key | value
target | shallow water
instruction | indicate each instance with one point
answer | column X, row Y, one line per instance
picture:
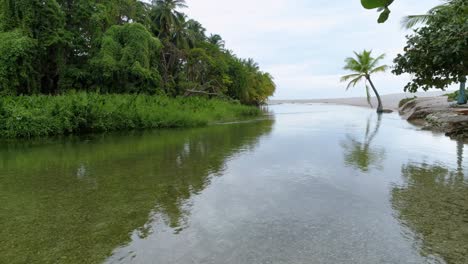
column 314, row 184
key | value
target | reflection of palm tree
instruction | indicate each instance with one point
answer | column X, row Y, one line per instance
column 360, row 154
column 434, row 204
column 460, row 146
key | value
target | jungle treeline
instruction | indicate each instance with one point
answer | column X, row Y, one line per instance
column 52, row 47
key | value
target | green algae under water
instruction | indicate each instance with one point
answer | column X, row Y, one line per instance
column 315, row 184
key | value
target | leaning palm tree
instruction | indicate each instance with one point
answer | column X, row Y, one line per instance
column 411, row 21
column 363, row 66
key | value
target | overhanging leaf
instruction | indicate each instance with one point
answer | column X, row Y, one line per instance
column 371, row 4
column 384, row 15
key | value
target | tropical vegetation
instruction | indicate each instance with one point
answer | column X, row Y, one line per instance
column 436, row 55
column 411, row 21
column 77, row 113
column 363, row 66
column 119, row 47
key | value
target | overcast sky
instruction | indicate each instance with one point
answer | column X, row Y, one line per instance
column 303, row 43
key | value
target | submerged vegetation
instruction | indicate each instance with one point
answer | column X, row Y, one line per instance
column 32, row 116
column 74, row 201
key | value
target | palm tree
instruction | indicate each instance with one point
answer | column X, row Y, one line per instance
column 216, row 40
column 364, row 65
column 165, row 16
column 411, row 21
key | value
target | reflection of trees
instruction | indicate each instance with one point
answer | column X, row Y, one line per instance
column 360, row 154
column 434, row 204
column 81, row 200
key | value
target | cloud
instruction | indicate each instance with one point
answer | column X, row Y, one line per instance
column 303, row 43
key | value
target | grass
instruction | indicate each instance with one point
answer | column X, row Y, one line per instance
column 76, row 113
column 406, row 100
column 453, row 96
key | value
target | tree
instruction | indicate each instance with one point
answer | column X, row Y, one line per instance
column 128, row 60
column 436, row 55
column 17, row 73
column 119, row 46
column 216, row 40
column 364, row 65
column 414, row 20
column 165, row 16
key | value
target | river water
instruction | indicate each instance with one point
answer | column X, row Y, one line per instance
column 311, row 184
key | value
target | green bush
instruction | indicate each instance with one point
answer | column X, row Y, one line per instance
column 35, row 116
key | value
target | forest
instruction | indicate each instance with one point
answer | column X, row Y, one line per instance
column 54, row 47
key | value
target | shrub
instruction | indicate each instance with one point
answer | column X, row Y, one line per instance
column 40, row 115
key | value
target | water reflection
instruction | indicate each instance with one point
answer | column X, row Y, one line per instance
column 74, row 201
column 359, row 153
column 433, row 203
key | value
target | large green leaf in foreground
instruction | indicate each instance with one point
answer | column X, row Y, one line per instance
column 371, row 4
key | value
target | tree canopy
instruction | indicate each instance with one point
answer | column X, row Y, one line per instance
column 436, row 55
column 119, row 46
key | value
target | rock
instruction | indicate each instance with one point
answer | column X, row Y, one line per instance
column 437, row 114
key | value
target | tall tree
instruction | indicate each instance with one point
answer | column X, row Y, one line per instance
column 414, row 20
column 436, row 55
column 363, row 66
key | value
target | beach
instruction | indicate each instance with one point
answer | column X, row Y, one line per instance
column 390, row 101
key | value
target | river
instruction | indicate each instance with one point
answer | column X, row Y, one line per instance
column 311, row 184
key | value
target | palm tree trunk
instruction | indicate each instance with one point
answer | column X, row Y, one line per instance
column 379, row 107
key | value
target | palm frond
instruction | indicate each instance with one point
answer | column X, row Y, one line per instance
column 352, row 64
column 382, row 68
column 409, row 22
column 349, row 77
column 353, row 82
column 375, row 61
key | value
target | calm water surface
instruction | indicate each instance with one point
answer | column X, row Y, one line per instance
column 313, row 184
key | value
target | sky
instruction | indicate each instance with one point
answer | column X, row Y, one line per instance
column 303, row 44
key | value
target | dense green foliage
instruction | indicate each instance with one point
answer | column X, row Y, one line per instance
column 124, row 46
column 414, row 20
column 436, row 55
column 30, row 116
column 363, row 66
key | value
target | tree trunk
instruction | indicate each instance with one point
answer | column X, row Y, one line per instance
column 379, row 107
column 462, row 94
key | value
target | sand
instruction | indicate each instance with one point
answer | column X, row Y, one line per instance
column 390, row 101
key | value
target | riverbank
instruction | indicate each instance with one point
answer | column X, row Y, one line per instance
column 75, row 113
column 437, row 114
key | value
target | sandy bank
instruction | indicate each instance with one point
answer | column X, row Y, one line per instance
column 390, row 101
